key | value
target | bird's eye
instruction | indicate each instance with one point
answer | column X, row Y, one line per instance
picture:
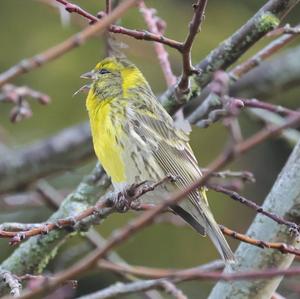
column 103, row 71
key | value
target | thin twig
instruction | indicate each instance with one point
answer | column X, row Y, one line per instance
column 254, row 103
column 147, row 272
column 282, row 247
column 141, row 35
column 17, row 96
column 156, row 26
column 263, row 54
column 187, row 67
column 286, row 29
column 119, row 289
column 243, row 175
column 258, row 209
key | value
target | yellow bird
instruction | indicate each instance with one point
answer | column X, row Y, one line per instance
column 135, row 140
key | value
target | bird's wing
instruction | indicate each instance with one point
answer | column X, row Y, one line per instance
column 171, row 150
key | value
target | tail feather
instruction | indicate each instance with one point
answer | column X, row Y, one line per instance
column 218, row 239
column 204, row 223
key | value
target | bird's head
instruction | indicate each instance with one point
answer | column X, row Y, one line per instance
column 113, row 77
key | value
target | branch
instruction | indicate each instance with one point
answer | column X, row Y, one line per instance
column 265, row 20
column 12, row 282
column 292, row 136
column 218, row 105
column 156, row 26
column 120, row 289
column 38, row 251
column 20, row 167
column 263, row 54
column 72, row 42
column 246, row 176
column 140, row 35
column 281, row 247
column 17, row 96
column 271, row 77
column 287, row 187
column 258, row 209
column 187, row 68
column 156, row 273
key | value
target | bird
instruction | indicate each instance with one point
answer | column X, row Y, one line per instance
column 136, row 140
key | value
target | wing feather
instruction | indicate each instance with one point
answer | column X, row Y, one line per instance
column 171, row 151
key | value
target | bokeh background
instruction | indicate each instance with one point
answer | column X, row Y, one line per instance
column 29, row 27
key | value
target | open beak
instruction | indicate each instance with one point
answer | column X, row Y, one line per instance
column 88, row 75
column 85, row 88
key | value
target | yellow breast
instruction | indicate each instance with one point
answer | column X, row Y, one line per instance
column 105, row 136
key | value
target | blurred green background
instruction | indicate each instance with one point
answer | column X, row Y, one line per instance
column 29, row 27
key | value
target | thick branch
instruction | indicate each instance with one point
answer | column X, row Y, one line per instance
column 187, row 67
column 60, row 152
column 33, row 255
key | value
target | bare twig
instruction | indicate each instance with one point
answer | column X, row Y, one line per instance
column 282, row 247
column 254, row 103
column 141, row 35
column 18, row 232
column 156, row 273
column 54, row 198
column 187, row 67
column 265, row 53
column 246, row 176
column 258, row 209
column 17, row 96
column 286, row 29
column 156, row 26
column 120, row 289
column 290, row 135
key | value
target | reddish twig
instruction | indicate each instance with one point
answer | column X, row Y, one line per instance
column 60, row 49
column 267, row 132
column 245, row 176
column 282, row 247
column 170, row 288
column 186, row 47
column 157, row 26
column 144, row 35
column 254, row 103
column 266, row 52
column 286, row 29
column 156, row 273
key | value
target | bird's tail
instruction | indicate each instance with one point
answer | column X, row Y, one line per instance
column 202, row 220
column 217, row 237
